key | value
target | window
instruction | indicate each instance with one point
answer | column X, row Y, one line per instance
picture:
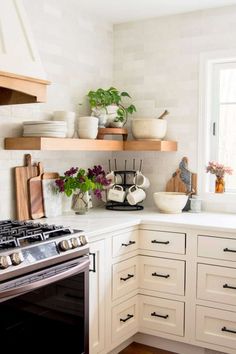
column 223, row 118
column 217, row 124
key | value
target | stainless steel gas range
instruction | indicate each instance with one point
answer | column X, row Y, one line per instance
column 43, row 286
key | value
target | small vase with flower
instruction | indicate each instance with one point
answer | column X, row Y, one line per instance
column 219, row 171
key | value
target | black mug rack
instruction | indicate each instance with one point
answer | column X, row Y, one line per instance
column 126, row 176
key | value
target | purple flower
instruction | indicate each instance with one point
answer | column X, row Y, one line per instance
column 96, row 171
column 60, row 184
column 71, row 171
column 98, row 193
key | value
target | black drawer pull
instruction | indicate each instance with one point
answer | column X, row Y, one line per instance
column 127, row 318
column 226, row 286
column 229, row 250
column 161, row 242
column 224, row 329
column 129, row 276
column 155, row 274
column 162, row 316
column 128, row 244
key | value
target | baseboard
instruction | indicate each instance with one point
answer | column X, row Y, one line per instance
column 122, row 346
column 170, row 345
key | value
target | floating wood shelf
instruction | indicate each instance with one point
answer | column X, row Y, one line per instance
column 150, row 145
column 50, row 144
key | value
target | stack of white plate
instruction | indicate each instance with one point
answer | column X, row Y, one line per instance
column 55, row 129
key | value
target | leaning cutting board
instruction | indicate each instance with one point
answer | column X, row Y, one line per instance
column 175, row 184
column 22, row 175
column 52, row 199
column 36, row 194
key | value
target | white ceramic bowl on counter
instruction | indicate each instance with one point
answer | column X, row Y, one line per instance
column 170, row 202
column 148, row 128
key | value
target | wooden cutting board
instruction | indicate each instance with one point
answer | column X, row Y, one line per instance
column 22, row 175
column 36, row 194
column 175, row 184
column 52, row 200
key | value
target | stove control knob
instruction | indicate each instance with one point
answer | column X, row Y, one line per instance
column 5, row 262
column 83, row 240
column 74, row 242
column 65, row 245
column 17, row 258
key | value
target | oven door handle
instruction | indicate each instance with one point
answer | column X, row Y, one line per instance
column 43, row 282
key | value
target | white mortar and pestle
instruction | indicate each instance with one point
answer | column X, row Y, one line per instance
column 149, row 128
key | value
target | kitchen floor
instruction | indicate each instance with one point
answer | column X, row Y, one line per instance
column 136, row 348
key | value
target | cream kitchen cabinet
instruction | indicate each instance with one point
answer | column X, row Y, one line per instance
column 173, row 283
column 97, row 297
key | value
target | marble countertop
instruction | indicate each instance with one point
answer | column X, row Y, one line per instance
column 99, row 221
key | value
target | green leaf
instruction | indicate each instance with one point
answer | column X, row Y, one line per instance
column 125, row 94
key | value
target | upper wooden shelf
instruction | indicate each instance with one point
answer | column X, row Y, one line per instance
column 44, row 144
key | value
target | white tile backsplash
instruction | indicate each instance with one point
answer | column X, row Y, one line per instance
column 157, row 62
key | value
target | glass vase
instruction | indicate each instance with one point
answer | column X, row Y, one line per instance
column 81, row 202
column 219, row 185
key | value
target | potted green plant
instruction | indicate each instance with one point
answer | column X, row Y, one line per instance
column 109, row 107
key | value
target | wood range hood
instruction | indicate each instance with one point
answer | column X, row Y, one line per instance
column 22, row 76
column 18, row 89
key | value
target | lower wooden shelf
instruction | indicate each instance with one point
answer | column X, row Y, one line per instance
column 61, row 144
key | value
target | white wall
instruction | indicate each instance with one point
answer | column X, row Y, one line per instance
column 76, row 52
column 157, row 62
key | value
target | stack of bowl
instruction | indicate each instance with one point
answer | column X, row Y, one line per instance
column 69, row 118
column 87, row 127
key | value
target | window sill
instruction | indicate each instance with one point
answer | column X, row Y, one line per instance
column 219, row 202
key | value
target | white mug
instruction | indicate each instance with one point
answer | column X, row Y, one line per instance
column 116, row 193
column 135, row 195
column 114, row 178
column 141, row 181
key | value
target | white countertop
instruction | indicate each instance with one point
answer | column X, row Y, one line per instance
column 99, row 221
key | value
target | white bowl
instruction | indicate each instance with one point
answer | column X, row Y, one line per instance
column 85, row 122
column 90, row 133
column 170, row 202
column 148, row 128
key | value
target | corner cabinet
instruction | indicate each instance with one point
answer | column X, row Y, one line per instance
column 97, row 297
column 173, row 283
column 63, row 144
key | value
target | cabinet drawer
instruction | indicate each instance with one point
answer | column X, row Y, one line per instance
column 124, row 319
column 216, row 284
column 160, row 274
column 124, row 277
column 216, row 247
column 216, row 326
column 124, row 243
column 162, row 315
column 162, row 241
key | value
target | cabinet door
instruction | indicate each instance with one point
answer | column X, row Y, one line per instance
column 97, row 297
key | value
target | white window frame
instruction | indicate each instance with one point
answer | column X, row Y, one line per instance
column 212, row 201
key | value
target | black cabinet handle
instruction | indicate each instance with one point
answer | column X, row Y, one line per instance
column 94, row 262
column 128, row 244
column 162, row 316
column 155, row 274
column 226, row 286
column 161, row 242
column 224, row 329
column 128, row 277
column 229, row 250
column 127, row 318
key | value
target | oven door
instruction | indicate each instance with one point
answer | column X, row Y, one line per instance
column 48, row 308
